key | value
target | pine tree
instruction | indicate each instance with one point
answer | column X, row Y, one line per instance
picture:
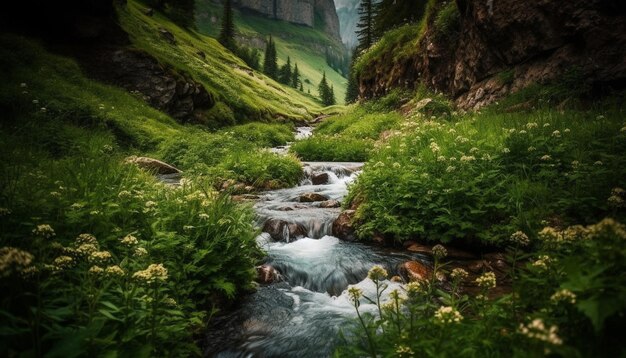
column 285, row 73
column 270, row 67
column 331, row 97
column 295, row 77
column 326, row 92
column 227, row 33
column 365, row 26
column 301, row 87
column 352, row 91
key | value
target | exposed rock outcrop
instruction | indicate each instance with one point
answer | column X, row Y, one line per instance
column 302, row 12
column 530, row 41
column 281, row 230
column 342, row 226
column 312, row 197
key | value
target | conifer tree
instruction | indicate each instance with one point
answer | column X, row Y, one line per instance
column 285, row 73
column 295, row 77
column 365, row 26
column 352, row 91
column 326, row 92
column 270, row 67
column 331, row 97
column 301, row 87
column 227, row 33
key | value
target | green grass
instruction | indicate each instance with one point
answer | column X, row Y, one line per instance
column 473, row 180
column 304, row 45
column 352, row 135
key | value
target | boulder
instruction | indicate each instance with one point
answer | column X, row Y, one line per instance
column 278, row 228
column 415, row 271
column 319, row 178
column 266, row 274
column 342, row 226
column 153, row 165
column 330, row 204
column 312, row 197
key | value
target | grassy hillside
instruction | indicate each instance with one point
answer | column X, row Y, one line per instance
column 303, row 44
column 249, row 95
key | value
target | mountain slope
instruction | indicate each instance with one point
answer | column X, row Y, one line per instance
column 305, row 45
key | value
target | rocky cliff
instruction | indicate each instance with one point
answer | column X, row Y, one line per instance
column 312, row 13
column 527, row 41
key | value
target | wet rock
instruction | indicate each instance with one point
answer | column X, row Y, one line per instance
column 312, row 197
column 153, row 165
column 415, row 271
column 245, row 197
column 168, row 36
column 396, row 279
column 330, row 204
column 319, row 178
column 279, row 228
column 343, row 228
column 266, row 274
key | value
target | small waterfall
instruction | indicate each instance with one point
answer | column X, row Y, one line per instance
column 286, row 233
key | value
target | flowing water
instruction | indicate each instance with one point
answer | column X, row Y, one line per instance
column 303, row 314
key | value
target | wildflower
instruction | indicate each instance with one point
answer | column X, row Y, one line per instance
column 396, row 165
column 598, row 163
column 4, row 212
column 204, row 216
column 129, row 240
column 77, row 206
column 400, row 350
column 439, row 251
column 414, row 289
column 170, row 302
column 13, row 259
column 459, row 274
column 154, row 273
column 461, row 139
column 124, row 194
column 506, row 151
column 486, row 157
column 566, row 130
column 563, row 295
column 396, row 295
column 520, row 238
column 538, row 330
column 55, row 194
column 447, row 315
column 574, row 233
column 434, row 147
column 467, row 158
column 512, row 130
column 606, row 226
column 531, row 125
column 623, row 129
column 115, row 271
column 600, row 117
column 522, row 132
column 546, row 125
column 86, row 239
column 35, row 101
column 96, row 270
column 452, row 159
column 377, row 273
column 575, row 164
column 44, row 231
column 379, row 164
column 550, row 234
column 86, row 249
column 473, row 150
column 355, row 293
column 100, row 256
column 532, row 149
column 546, row 158
column 63, row 262
column 188, row 228
column 487, row 280
column 618, row 191
column 95, row 212
column 107, row 148
column 450, row 169
column 150, row 204
column 556, row 134
column 615, row 201
column 542, row 262
column 140, row 252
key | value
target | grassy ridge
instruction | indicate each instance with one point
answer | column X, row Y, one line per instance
column 249, row 95
column 291, row 40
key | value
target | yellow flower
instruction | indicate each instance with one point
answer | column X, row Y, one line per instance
column 100, row 256
column 44, row 230
column 115, row 271
column 154, row 273
column 520, row 238
column 459, row 274
column 487, row 280
column 14, row 260
column 377, row 273
column 96, row 270
column 355, row 293
column 63, row 262
column 86, row 239
column 538, row 330
column 129, row 240
column 447, row 315
column 439, row 251
column 140, row 252
column 564, row 295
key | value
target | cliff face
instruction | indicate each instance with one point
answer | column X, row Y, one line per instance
column 533, row 41
column 301, row 12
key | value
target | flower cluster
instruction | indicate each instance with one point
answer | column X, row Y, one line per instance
column 563, row 295
column 355, row 293
column 487, row 280
column 129, row 240
column 115, row 271
column 99, row 257
column 606, row 226
column 459, row 274
column 520, row 238
column 414, row 289
column 44, row 230
column 154, row 273
column 13, row 259
column 86, row 239
column 377, row 273
column 140, row 252
column 439, row 251
column 96, row 270
column 447, row 315
column 616, row 199
column 4, row 212
column 542, row 262
column 404, row 350
column 538, row 330
column 86, row 249
column 63, row 262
